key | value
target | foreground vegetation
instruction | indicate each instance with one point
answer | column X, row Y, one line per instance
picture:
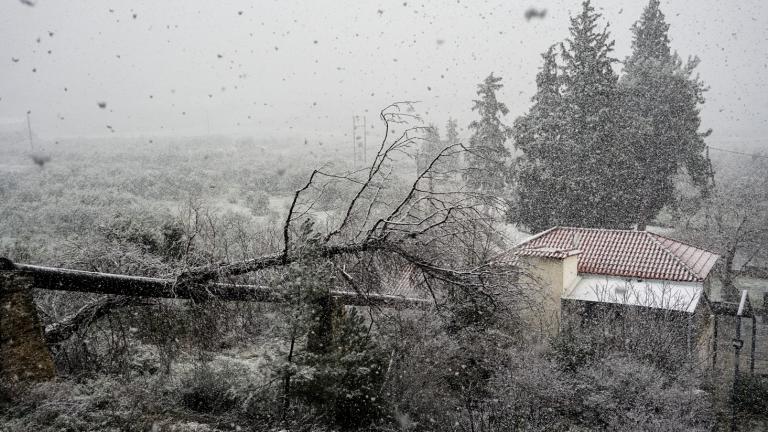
column 172, row 365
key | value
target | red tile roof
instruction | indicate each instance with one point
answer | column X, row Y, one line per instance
column 625, row 253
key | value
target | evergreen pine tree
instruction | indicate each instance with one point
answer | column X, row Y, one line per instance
column 661, row 99
column 595, row 185
column 537, row 135
column 431, row 147
column 574, row 168
column 485, row 163
column 651, row 38
column 452, row 161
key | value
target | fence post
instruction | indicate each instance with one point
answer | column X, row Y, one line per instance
column 24, row 356
column 738, row 343
column 752, row 346
column 714, row 343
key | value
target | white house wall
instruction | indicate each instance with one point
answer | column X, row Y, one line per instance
column 679, row 296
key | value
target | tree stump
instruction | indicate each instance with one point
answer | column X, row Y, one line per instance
column 24, row 356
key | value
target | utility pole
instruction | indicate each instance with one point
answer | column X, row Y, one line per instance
column 356, row 140
column 354, row 143
column 29, row 131
column 365, row 143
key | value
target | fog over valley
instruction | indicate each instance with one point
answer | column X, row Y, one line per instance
column 301, row 70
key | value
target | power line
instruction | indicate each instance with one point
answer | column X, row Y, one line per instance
column 754, row 155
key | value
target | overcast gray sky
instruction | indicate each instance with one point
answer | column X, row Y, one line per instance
column 291, row 68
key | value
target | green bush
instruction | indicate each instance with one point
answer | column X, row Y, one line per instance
column 208, row 391
column 751, row 396
column 571, row 350
column 343, row 383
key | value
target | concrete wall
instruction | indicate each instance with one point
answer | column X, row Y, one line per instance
column 702, row 334
column 550, row 276
column 669, row 337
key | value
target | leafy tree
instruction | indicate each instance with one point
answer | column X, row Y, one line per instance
column 662, row 98
column 485, row 171
column 574, row 169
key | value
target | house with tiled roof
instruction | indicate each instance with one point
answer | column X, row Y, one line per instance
column 619, row 267
column 620, row 275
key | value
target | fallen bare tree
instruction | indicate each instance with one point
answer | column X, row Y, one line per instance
column 438, row 233
column 59, row 279
column 442, row 232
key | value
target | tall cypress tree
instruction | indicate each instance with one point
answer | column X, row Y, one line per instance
column 661, row 99
column 575, row 169
column 596, row 192
column 651, row 35
column 485, row 161
column 537, row 172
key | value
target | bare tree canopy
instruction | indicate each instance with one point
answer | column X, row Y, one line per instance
column 388, row 223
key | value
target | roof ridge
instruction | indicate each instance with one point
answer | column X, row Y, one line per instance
column 535, row 236
column 683, row 242
column 598, row 229
column 677, row 259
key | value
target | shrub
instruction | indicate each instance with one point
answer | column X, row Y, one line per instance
column 614, row 393
column 343, row 383
column 173, row 240
column 572, row 350
column 257, row 202
column 751, row 396
column 207, row 391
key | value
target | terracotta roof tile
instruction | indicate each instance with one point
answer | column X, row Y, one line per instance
column 636, row 254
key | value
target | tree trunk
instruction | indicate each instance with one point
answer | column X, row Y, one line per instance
column 137, row 286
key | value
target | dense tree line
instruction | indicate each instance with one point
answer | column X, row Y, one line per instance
column 596, row 149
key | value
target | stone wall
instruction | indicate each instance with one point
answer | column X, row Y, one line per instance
column 24, row 355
